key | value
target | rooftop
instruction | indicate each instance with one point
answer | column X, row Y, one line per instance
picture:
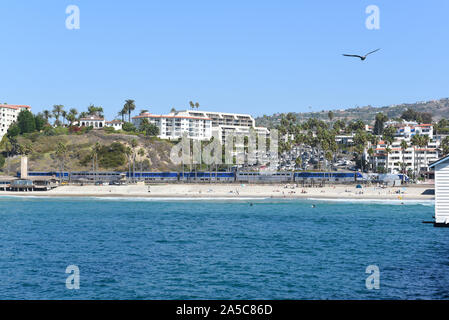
column 95, row 118
column 149, row 115
column 12, row 106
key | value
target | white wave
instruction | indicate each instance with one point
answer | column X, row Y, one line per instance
column 378, row 201
column 176, row 198
column 121, row 198
column 229, row 199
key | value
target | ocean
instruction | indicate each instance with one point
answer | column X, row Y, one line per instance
column 220, row 249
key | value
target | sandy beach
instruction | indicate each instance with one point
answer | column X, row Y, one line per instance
column 415, row 192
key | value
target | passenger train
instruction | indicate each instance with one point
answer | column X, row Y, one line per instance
column 237, row 176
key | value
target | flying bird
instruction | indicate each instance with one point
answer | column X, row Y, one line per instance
column 361, row 57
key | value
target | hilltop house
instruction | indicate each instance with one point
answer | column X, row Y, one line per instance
column 92, row 121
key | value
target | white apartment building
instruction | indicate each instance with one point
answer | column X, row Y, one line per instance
column 173, row 125
column 201, row 125
column 223, row 118
column 415, row 158
column 8, row 115
column 229, row 123
column 407, row 131
column 237, row 124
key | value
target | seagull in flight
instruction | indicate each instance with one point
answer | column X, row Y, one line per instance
column 361, row 57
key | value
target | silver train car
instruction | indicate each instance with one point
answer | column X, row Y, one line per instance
column 264, row 177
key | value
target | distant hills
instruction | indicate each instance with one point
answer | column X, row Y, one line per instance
column 438, row 108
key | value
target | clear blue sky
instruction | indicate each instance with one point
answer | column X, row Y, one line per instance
column 249, row 56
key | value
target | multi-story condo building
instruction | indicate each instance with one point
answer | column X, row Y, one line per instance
column 229, row 123
column 8, row 115
column 173, row 125
column 222, row 118
column 415, row 159
column 200, row 125
column 237, row 124
column 407, row 131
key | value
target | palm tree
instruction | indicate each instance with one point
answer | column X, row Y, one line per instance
column 371, row 156
column 404, row 147
column 360, row 148
column 47, row 115
column 141, row 153
column 330, row 115
column 95, row 152
column 71, row 117
column 57, row 110
column 129, row 107
column 134, row 144
column 121, row 114
column 192, row 105
column 415, row 142
column 420, row 141
column 64, row 116
column 424, row 141
column 128, row 153
column 95, row 111
column 387, row 152
column 61, row 153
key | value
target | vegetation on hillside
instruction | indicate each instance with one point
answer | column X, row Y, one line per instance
column 63, row 145
column 438, row 109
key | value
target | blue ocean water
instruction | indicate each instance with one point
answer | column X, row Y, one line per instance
column 274, row 249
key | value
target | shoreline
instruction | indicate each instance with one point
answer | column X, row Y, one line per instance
column 233, row 191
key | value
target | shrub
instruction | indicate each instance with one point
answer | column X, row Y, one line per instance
column 150, row 130
column 61, row 131
column 109, row 130
column 48, row 131
column 13, row 131
column 2, row 161
column 111, row 156
column 86, row 129
column 128, row 127
column 75, row 129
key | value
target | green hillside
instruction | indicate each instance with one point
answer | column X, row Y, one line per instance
column 151, row 153
column 438, row 108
